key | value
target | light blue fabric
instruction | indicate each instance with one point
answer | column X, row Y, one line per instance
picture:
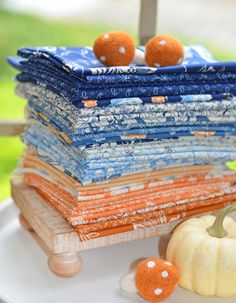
column 75, row 163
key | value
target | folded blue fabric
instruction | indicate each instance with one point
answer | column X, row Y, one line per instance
column 162, row 154
column 95, row 123
column 37, row 68
column 81, row 62
column 68, row 119
column 68, row 73
column 128, row 122
column 144, row 134
column 27, row 90
column 76, row 94
column 109, row 150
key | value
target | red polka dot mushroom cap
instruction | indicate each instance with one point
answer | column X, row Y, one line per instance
column 156, row 279
column 114, row 49
column 163, row 50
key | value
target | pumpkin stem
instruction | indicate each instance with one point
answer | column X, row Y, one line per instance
column 217, row 229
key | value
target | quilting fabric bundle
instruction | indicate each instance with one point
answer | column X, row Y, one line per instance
column 129, row 203
column 114, row 149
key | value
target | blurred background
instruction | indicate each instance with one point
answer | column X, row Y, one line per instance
column 78, row 22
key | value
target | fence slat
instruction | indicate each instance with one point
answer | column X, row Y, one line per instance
column 147, row 20
column 11, row 127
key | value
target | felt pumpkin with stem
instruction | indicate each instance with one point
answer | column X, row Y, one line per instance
column 204, row 250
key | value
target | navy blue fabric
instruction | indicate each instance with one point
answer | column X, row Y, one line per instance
column 75, row 74
column 81, row 62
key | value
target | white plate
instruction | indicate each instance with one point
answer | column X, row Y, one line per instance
column 25, row 278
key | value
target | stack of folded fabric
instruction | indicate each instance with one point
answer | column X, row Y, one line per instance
column 115, row 149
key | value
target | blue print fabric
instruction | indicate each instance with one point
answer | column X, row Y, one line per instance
column 106, row 161
column 27, row 89
column 75, row 74
column 119, row 124
column 95, row 123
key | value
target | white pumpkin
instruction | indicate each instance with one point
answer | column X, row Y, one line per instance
column 204, row 250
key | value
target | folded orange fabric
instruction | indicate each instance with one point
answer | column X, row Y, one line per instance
column 92, row 233
column 103, row 209
column 151, row 189
column 199, row 192
column 132, row 201
column 158, row 217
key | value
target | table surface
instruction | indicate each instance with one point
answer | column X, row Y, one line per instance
column 25, row 278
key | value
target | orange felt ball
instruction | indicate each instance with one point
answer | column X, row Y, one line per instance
column 163, row 50
column 156, row 279
column 114, row 49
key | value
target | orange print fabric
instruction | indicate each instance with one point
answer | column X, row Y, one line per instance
column 159, row 201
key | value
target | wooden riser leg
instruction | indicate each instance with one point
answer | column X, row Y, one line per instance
column 65, row 265
column 24, row 223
